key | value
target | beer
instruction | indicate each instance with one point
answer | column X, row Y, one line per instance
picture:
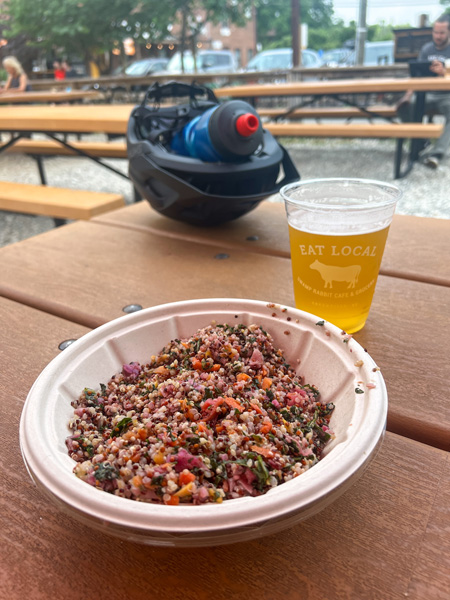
column 338, row 230
column 335, row 275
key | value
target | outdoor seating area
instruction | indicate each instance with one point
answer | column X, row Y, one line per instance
column 224, row 315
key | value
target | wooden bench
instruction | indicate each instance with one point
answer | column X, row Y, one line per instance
column 59, row 203
column 328, row 112
column 356, row 130
column 398, row 131
column 51, row 148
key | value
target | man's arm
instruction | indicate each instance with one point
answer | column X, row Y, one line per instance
column 438, row 67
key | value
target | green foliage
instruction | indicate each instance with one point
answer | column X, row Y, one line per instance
column 274, row 20
column 324, row 31
column 332, row 37
column 379, row 32
column 86, row 27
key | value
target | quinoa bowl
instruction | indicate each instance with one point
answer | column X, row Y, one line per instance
column 203, row 422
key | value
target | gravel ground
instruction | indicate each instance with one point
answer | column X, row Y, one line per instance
column 425, row 192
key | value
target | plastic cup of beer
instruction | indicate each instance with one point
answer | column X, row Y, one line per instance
column 338, row 229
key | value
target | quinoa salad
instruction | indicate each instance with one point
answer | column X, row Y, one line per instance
column 213, row 417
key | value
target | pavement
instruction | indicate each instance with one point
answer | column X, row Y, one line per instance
column 425, row 191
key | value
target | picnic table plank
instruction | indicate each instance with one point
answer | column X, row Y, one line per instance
column 92, row 118
column 406, row 332
column 432, row 574
column 377, row 85
column 12, row 97
column 367, row 544
column 265, row 230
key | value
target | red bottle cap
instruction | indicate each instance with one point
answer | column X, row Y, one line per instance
column 247, row 124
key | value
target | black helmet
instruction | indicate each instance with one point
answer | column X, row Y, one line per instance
column 189, row 189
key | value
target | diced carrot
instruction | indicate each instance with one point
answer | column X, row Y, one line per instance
column 162, row 370
column 243, row 377
column 142, row 434
column 258, row 378
column 174, row 501
column 232, row 403
column 256, row 408
column 190, row 414
column 220, row 428
column 197, row 364
column 137, row 481
column 185, row 477
column 266, row 383
column 201, row 426
column 264, row 451
column 266, row 428
column 216, row 367
column 136, row 457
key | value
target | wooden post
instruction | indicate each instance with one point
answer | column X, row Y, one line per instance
column 295, row 29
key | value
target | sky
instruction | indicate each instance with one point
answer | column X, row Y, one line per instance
column 392, row 12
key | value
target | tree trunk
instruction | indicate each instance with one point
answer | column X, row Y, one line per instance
column 184, row 20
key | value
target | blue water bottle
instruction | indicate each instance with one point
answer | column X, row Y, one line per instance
column 228, row 132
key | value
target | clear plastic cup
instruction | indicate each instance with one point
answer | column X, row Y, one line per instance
column 338, row 229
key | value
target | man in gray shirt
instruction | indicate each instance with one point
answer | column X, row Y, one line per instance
column 436, row 52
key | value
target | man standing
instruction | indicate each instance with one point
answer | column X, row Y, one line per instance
column 437, row 53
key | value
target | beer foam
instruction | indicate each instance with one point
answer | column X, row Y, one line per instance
column 339, row 223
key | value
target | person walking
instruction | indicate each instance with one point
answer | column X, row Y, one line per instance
column 436, row 52
column 59, row 72
column 17, row 78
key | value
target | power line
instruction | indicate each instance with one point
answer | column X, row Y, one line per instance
column 380, row 4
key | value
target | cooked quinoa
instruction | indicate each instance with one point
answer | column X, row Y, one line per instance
column 217, row 416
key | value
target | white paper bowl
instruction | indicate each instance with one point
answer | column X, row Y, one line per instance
column 327, row 361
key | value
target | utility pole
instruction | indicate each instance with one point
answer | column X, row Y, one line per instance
column 295, row 30
column 361, row 32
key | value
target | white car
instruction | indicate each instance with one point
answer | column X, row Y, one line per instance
column 280, row 59
column 208, row 61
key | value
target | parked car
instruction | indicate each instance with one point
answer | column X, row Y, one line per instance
column 138, row 68
column 208, row 61
column 146, row 66
column 338, row 57
column 280, row 59
column 375, row 53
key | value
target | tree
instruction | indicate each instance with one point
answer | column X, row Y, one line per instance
column 274, row 19
column 87, row 27
column 81, row 27
column 192, row 16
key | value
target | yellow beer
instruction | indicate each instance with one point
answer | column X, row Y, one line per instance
column 335, row 275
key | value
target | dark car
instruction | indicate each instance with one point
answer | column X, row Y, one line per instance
column 138, row 68
column 146, row 66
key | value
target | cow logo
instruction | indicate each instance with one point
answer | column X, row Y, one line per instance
column 330, row 273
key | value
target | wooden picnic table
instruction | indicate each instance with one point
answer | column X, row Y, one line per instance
column 410, row 303
column 386, row 537
column 64, row 119
column 95, row 118
column 340, row 86
column 49, row 96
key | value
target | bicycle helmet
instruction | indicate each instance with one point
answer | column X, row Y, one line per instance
column 193, row 190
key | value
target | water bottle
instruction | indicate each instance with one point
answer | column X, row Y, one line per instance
column 228, row 132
